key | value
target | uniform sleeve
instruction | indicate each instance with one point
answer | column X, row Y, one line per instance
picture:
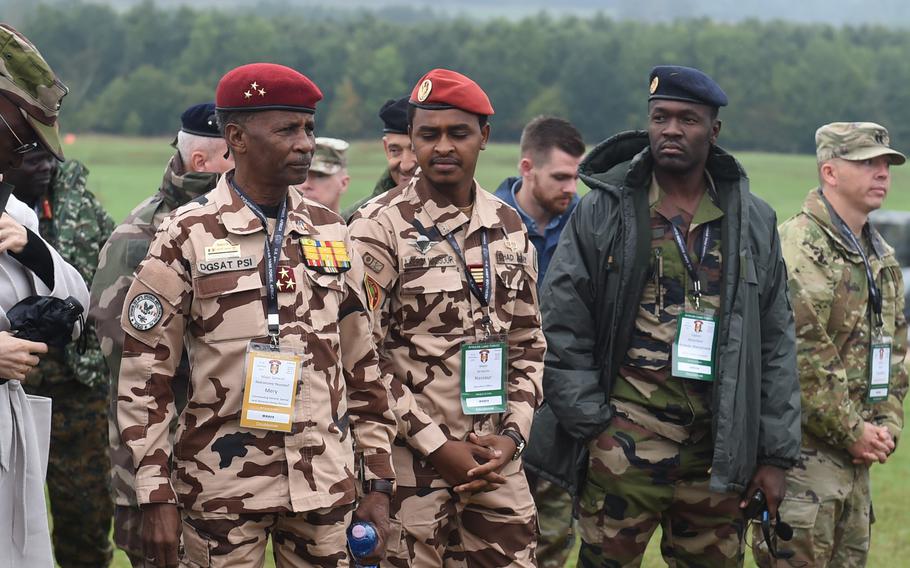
column 526, row 352
column 828, row 412
column 890, row 412
column 374, row 245
column 369, row 402
column 159, row 300
column 779, row 433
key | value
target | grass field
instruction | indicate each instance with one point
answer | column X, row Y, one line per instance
column 126, row 170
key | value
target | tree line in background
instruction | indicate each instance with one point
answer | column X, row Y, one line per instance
column 132, row 72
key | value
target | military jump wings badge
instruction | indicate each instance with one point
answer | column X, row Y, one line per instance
column 423, row 244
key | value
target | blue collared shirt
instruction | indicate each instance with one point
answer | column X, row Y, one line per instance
column 544, row 241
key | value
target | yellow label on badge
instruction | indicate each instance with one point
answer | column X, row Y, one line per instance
column 327, row 257
column 222, row 249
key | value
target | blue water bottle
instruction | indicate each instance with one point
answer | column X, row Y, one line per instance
column 362, row 539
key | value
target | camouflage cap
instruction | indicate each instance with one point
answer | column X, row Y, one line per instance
column 28, row 81
column 854, row 141
column 330, row 156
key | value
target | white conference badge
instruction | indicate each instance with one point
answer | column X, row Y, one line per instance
column 879, row 369
column 270, row 387
column 693, row 348
column 483, row 377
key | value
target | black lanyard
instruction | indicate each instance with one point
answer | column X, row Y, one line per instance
column 272, row 255
column 875, row 295
column 483, row 295
column 687, row 260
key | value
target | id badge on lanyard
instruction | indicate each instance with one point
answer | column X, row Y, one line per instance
column 696, row 330
column 879, row 368
column 271, row 375
column 879, row 362
column 484, row 364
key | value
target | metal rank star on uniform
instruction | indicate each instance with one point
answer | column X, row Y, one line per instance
column 286, row 282
column 326, row 257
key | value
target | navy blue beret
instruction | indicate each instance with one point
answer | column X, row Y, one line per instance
column 679, row 83
column 394, row 115
column 200, row 120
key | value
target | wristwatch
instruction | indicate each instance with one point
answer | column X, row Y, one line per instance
column 379, row 485
column 519, row 442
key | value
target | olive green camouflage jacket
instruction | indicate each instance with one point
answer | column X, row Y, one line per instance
column 75, row 223
column 830, row 295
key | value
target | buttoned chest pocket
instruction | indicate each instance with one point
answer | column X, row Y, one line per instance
column 229, row 306
column 849, row 303
column 322, row 299
column 431, row 299
column 888, row 282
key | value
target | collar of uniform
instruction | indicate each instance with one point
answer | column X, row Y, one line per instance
column 706, row 211
column 447, row 218
column 239, row 219
column 818, row 208
column 180, row 186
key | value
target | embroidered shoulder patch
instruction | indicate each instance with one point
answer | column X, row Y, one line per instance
column 145, row 312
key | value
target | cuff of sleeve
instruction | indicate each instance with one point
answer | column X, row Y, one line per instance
column 378, row 466
column 513, row 421
column 154, row 490
column 428, row 440
column 855, row 433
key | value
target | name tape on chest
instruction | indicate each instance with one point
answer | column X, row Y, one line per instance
column 226, row 265
column 326, row 257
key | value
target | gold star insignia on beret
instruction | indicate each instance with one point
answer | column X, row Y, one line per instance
column 254, row 85
column 261, row 92
column 247, row 94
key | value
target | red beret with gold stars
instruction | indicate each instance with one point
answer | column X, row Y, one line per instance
column 443, row 88
column 266, row 86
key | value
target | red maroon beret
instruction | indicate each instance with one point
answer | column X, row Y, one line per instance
column 266, row 86
column 443, row 88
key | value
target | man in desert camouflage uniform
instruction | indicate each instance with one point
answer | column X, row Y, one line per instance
column 191, row 172
column 74, row 222
column 447, row 266
column 852, row 339
column 400, row 159
column 254, row 279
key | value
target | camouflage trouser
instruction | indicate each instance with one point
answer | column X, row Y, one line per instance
column 637, row 480
column 829, row 505
column 554, row 515
column 437, row 527
column 78, row 473
column 299, row 540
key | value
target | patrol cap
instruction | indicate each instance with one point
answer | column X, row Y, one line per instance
column 443, row 88
column 394, row 115
column 330, row 156
column 677, row 83
column 200, row 121
column 266, row 86
column 28, row 81
column 855, row 141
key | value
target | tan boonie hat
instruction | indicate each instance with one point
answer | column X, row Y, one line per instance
column 330, row 156
column 28, row 81
column 855, row 141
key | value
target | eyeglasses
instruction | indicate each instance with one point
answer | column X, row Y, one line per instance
column 24, row 148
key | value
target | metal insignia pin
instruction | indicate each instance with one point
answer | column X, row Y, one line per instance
column 423, row 244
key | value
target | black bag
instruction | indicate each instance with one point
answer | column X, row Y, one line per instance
column 46, row 319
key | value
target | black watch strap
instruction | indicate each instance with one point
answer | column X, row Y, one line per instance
column 379, row 485
column 519, row 442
